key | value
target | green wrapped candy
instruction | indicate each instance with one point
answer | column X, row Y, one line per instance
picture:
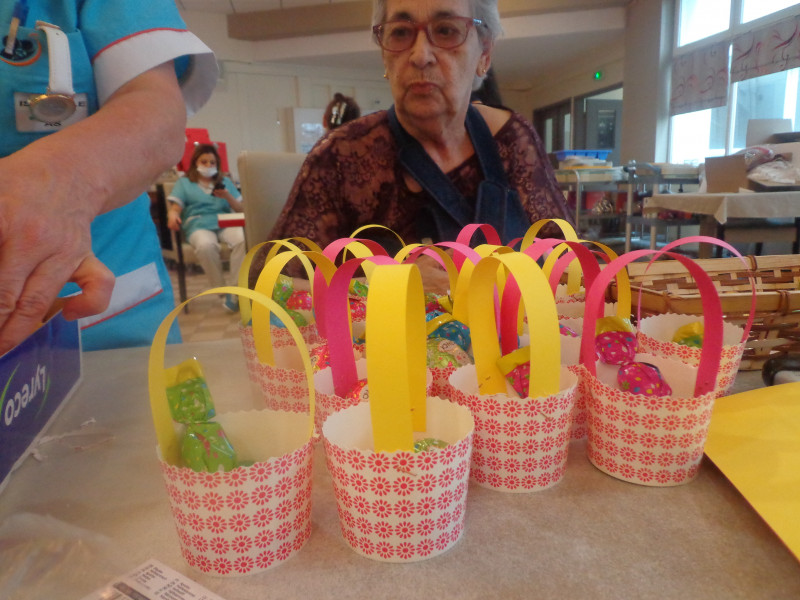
column 190, row 401
column 205, row 447
column 187, row 393
column 426, row 444
column 358, row 288
column 283, row 288
column 446, row 353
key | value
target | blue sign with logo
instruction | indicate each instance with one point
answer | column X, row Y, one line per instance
column 36, row 378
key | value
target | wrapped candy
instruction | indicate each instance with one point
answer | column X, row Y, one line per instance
column 564, row 330
column 358, row 288
column 443, row 325
column 426, row 444
column 444, row 353
column 188, row 394
column 613, row 323
column 360, row 391
column 516, row 367
column 690, row 334
column 300, row 300
column 615, row 341
column 358, row 309
column 615, row 347
column 642, row 378
column 205, row 447
column 320, row 357
column 283, row 293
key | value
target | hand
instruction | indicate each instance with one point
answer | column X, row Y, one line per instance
column 174, row 220
column 54, row 187
column 44, row 242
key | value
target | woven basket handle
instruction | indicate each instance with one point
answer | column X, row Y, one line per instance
column 168, row 440
column 712, row 312
column 534, row 290
column 735, row 252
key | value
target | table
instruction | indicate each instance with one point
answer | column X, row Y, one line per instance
column 589, row 536
column 718, row 208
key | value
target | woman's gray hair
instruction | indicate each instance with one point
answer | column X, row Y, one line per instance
column 485, row 10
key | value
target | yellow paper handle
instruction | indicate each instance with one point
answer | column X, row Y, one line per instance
column 545, row 344
column 168, row 440
column 396, row 357
column 244, row 270
column 265, row 283
column 574, row 270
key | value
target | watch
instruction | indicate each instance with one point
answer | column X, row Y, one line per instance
column 58, row 103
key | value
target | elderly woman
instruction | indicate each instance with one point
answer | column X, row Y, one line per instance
column 433, row 162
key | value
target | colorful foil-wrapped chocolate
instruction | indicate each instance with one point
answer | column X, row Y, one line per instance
column 360, row 391
column 187, row 393
column 615, row 347
column 613, row 323
column 205, row 447
column 520, row 379
column 690, row 334
column 568, row 331
column 443, row 353
column 426, row 444
column 320, row 357
column 642, row 378
column 443, row 325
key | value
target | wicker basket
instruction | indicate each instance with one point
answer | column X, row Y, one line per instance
column 667, row 287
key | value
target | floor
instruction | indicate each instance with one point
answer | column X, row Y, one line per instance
column 208, row 320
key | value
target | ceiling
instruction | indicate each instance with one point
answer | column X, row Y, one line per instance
column 552, row 33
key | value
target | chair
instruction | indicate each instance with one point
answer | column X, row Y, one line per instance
column 266, row 179
column 173, row 247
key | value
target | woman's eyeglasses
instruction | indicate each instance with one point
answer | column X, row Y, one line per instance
column 443, row 32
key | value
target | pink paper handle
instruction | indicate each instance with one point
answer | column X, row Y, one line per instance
column 490, row 233
column 708, row 367
column 337, row 318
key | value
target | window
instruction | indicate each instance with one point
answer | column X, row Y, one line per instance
column 755, row 9
column 700, row 19
column 723, row 130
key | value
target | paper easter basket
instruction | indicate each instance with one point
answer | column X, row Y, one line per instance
column 254, row 516
column 397, row 505
column 336, row 383
column 446, row 352
column 274, row 362
column 647, row 439
column 655, row 333
column 521, row 444
column 572, row 256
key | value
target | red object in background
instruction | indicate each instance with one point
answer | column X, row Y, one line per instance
column 200, row 136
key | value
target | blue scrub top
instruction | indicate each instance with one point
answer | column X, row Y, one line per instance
column 125, row 239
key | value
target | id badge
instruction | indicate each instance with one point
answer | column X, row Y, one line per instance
column 28, row 124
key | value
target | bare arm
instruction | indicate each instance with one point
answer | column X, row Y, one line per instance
column 54, row 187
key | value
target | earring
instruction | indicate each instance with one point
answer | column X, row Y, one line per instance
column 385, row 76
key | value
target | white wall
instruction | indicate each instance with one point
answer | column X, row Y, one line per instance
column 251, row 105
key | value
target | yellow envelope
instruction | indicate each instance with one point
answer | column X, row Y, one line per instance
column 754, row 439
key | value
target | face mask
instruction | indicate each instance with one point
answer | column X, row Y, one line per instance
column 207, row 171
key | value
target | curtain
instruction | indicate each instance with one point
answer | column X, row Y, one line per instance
column 767, row 50
column 700, row 79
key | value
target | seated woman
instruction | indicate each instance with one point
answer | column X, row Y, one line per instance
column 433, row 162
column 194, row 204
